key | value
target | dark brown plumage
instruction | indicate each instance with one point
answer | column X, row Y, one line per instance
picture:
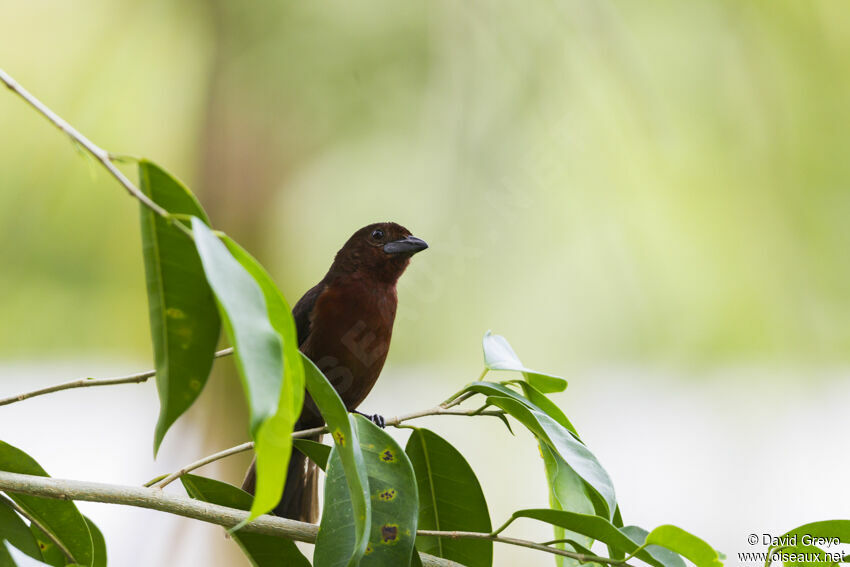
column 345, row 323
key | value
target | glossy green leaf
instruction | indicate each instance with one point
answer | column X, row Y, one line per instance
column 450, row 498
column 98, row 544
column 498, row 355
column 546, row 405
column 183, row 318
column 257, row 345
column 804, row 556
column 823, row 529
column 351, row 472
column 500, row 390
column 394, row 503
column 826, row 529
column 591, row 526
column 61, row 517
column 14, row 530
column 316, row 452
column 273, row 445
column 562, row 441
column 262, row 550
column 662, row 555
column 685, row 544
column 567, row 491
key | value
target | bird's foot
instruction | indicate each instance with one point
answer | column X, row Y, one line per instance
column 374, row 418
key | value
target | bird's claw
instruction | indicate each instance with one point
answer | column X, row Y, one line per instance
column 374, row 418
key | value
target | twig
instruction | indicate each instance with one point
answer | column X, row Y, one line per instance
column 35, row 521
column 198, row 464
column 581, row 557
column 96, row 151
column 395, row 422
column 151, row 498
column 154, row 499
column 89, row 382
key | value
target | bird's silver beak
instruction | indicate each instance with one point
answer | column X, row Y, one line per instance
column 409, row 245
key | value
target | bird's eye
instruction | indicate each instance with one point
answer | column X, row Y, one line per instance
column 378, row 234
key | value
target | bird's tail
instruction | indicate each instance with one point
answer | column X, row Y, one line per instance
column 300, row 500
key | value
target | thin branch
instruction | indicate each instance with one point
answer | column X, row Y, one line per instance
column 154, row 499
column 395, row 422
column 581, row 557
column 89, row 382
column 198, row 464
column 37, row 523
column 96, row 151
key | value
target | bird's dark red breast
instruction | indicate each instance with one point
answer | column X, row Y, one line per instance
column 345, row 324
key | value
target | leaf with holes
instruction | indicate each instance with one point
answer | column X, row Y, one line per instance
column 351, row 473
column 394, row 504
column 262, row 550
column 60, row 517
column 183, row 318
column 450, row 498
column 498, row 355
column 273, row 445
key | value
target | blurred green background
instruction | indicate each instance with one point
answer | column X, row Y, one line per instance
column 599, row 181
column 623, row 186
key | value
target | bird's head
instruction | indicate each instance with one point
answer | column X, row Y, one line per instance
column 381, row 250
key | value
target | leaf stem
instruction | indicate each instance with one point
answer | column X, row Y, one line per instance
column 89, row 382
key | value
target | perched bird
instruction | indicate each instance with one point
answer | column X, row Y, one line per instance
column 344, row 325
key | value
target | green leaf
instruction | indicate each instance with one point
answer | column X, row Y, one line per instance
column 184, row 322
column 685, row 544
column 273, row 445
column 450, row 498
column 316, row 452
column 498, row 355
column 546, row 405
column 50, row 554
column 351, row 473
column 664, row 556
column 14, row 530
column 827, row 529
column 262, row 550
column 567, row 491
column 804, row 556
column 394, row 501
column 499, row 390
column 61, row 517
column 12, row 557
column 562, row 441
column 257, row 345
column 591, row 526
column 98, row 543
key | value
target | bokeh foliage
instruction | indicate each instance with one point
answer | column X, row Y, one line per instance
column 667, row 182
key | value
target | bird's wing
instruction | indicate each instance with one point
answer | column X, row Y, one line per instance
column 303, row 309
